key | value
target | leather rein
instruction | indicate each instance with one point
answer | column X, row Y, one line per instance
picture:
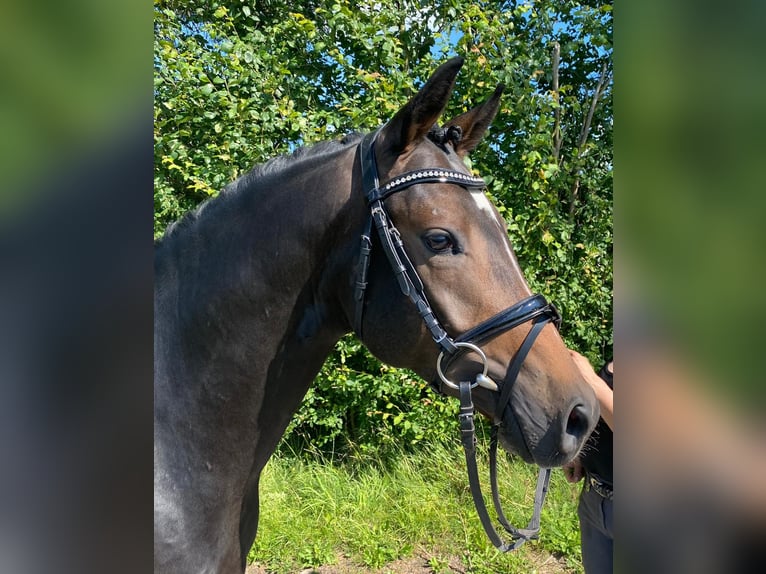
column 534, row 308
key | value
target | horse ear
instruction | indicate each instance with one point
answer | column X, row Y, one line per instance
column 475, row 122
column 418, row 116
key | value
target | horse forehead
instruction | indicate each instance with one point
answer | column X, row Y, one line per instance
column 481, row 201
column 429, row 156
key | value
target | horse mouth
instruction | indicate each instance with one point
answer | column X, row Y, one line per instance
column 546, row 442
column 512, row 439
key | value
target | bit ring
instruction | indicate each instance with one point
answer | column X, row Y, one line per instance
column 471, row 347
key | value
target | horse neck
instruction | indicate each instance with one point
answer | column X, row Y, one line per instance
column 250, row 291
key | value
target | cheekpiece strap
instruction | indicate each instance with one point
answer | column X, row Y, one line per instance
column 368, row 163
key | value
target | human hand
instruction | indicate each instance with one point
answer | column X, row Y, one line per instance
column 574, row 471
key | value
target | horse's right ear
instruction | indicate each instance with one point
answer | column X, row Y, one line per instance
column 418, row 116
column 475, row 122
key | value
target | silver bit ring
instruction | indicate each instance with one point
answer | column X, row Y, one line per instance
column 471, row 347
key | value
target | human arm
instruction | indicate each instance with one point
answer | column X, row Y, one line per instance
column 604, row 394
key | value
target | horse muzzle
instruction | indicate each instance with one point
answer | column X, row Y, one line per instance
column 544, row 439
column 546, row 433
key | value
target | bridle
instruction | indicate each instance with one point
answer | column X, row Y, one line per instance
column 534, row 308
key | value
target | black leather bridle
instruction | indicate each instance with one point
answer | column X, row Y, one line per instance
column 533, row 309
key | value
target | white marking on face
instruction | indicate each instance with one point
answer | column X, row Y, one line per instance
column 483, row 202
column 486, row 206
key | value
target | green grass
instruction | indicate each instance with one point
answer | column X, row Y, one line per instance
column 313, row 512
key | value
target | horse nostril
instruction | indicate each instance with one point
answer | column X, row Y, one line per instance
column 578, row 421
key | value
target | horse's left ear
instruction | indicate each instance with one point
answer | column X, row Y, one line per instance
column 475, row 122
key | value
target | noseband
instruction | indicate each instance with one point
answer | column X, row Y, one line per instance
column 533, row 309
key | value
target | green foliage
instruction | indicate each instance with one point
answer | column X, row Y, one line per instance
column 562, row 532
column 235, row 86
column 419, row 505
column 361, row 408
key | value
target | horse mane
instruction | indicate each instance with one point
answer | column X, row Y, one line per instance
column 280, row 163
column 257, row 174
column 443, row 136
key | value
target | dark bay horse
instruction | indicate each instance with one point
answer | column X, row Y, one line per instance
column 388, row 235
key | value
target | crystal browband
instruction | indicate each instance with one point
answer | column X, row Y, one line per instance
column 424, row 176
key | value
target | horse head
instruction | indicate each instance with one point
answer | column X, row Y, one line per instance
column 455, row 250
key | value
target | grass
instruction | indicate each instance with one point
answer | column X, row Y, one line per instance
column 314, row 512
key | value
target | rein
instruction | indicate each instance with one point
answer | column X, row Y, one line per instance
column 534, row 308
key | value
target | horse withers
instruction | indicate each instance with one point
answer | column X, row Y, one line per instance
column 388, row 235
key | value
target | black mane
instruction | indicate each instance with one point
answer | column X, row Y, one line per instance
column 282, row 162
column 443, row 136
column 271, row 168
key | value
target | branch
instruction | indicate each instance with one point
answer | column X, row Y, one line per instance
column 596, row 95
column 557, row 112
column 600, row 87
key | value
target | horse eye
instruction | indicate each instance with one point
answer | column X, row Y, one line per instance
column 439, row 242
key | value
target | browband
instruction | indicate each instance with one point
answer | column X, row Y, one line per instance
column 424, row 176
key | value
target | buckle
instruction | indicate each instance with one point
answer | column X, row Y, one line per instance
column 601, row 488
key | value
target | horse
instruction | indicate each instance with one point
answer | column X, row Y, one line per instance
column 388, row 235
